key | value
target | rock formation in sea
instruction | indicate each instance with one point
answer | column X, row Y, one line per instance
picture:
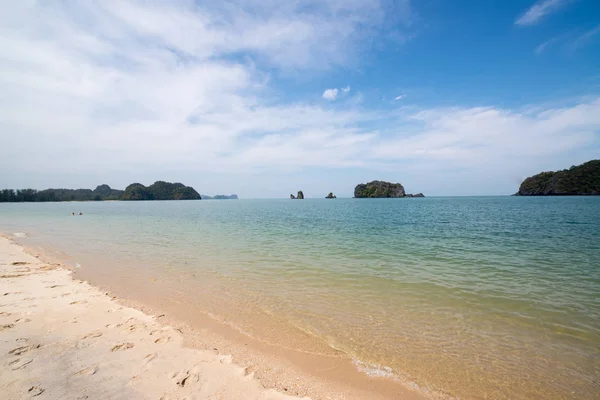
column 300, row 195
column 160, row 190
column 379, row 189
column 376, row 189
column 331, row 196
column 292, row 197
column 582, row 179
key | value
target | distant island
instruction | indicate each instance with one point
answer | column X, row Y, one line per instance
column 331, row 196
column 582, row 180
column 381, row 189
column 220, row 197
column 159, row 190
column 300, row 196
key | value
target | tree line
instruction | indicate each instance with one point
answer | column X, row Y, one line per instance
column 160, row 190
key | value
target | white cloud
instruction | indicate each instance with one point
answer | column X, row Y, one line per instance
column 400, row 97
column 330, row 94
column 483, row 135
column 127, row 91
column 540, row 10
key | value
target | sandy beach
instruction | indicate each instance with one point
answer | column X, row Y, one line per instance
column 63, row 339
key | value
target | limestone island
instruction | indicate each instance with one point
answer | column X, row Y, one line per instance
column 580, row 180
column 331, row 196
column 300, row 196
column 381, row 189
column 159, row 190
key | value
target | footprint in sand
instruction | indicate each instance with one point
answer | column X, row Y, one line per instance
column 5, row 314
column 87, row 371
column 135, row 327
column 183, row 378
column 78, row 302
column 11, row 276
column 20, row 364
column 35, row 391
column 5, row 327
column 122, row 346
column 23, row 349
column 20, row 263
column 92, row 335
column 9, row 293
column 54, row 286
column 165, row 339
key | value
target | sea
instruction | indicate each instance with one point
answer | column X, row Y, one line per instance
column 466, row 297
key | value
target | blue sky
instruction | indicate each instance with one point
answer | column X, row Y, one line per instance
column 264, row 98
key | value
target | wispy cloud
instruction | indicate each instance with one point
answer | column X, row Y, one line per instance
column 585, row 38
column 545, row 45
column 540, row 10
column 400, row 97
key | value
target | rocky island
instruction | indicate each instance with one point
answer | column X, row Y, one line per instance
column 159, row 190
column 582, row 180
column 300, row 196
column 331, row 196
column 381, row 189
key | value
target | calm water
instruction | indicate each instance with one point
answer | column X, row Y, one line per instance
column 492, row 297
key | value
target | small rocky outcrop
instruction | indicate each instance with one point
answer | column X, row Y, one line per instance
column 300, row 195
column 292, row 197
column 415, row 195
column 378, row 189
column 580, row 180
column 331, row 196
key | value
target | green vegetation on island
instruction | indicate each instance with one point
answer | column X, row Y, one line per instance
column 581, row 180
column 159, row 190
column 381, row 189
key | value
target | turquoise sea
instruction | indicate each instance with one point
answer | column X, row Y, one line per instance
column 474, row 297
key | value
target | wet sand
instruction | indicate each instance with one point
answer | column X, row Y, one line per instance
column 63, row 338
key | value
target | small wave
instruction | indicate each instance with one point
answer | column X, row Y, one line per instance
column 20, row 234
column 374, row 369
column 380, row 371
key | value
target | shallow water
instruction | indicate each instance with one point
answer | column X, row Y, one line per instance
column 490, row 297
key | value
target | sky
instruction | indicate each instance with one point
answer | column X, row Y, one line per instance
column 266, row 97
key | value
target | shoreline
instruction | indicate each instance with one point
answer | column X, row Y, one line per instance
column 285, row 370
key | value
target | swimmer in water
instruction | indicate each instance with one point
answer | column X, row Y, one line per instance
column 80, row 213
column 72, row 213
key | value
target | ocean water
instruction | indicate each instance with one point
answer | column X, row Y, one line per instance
column 472, row 297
